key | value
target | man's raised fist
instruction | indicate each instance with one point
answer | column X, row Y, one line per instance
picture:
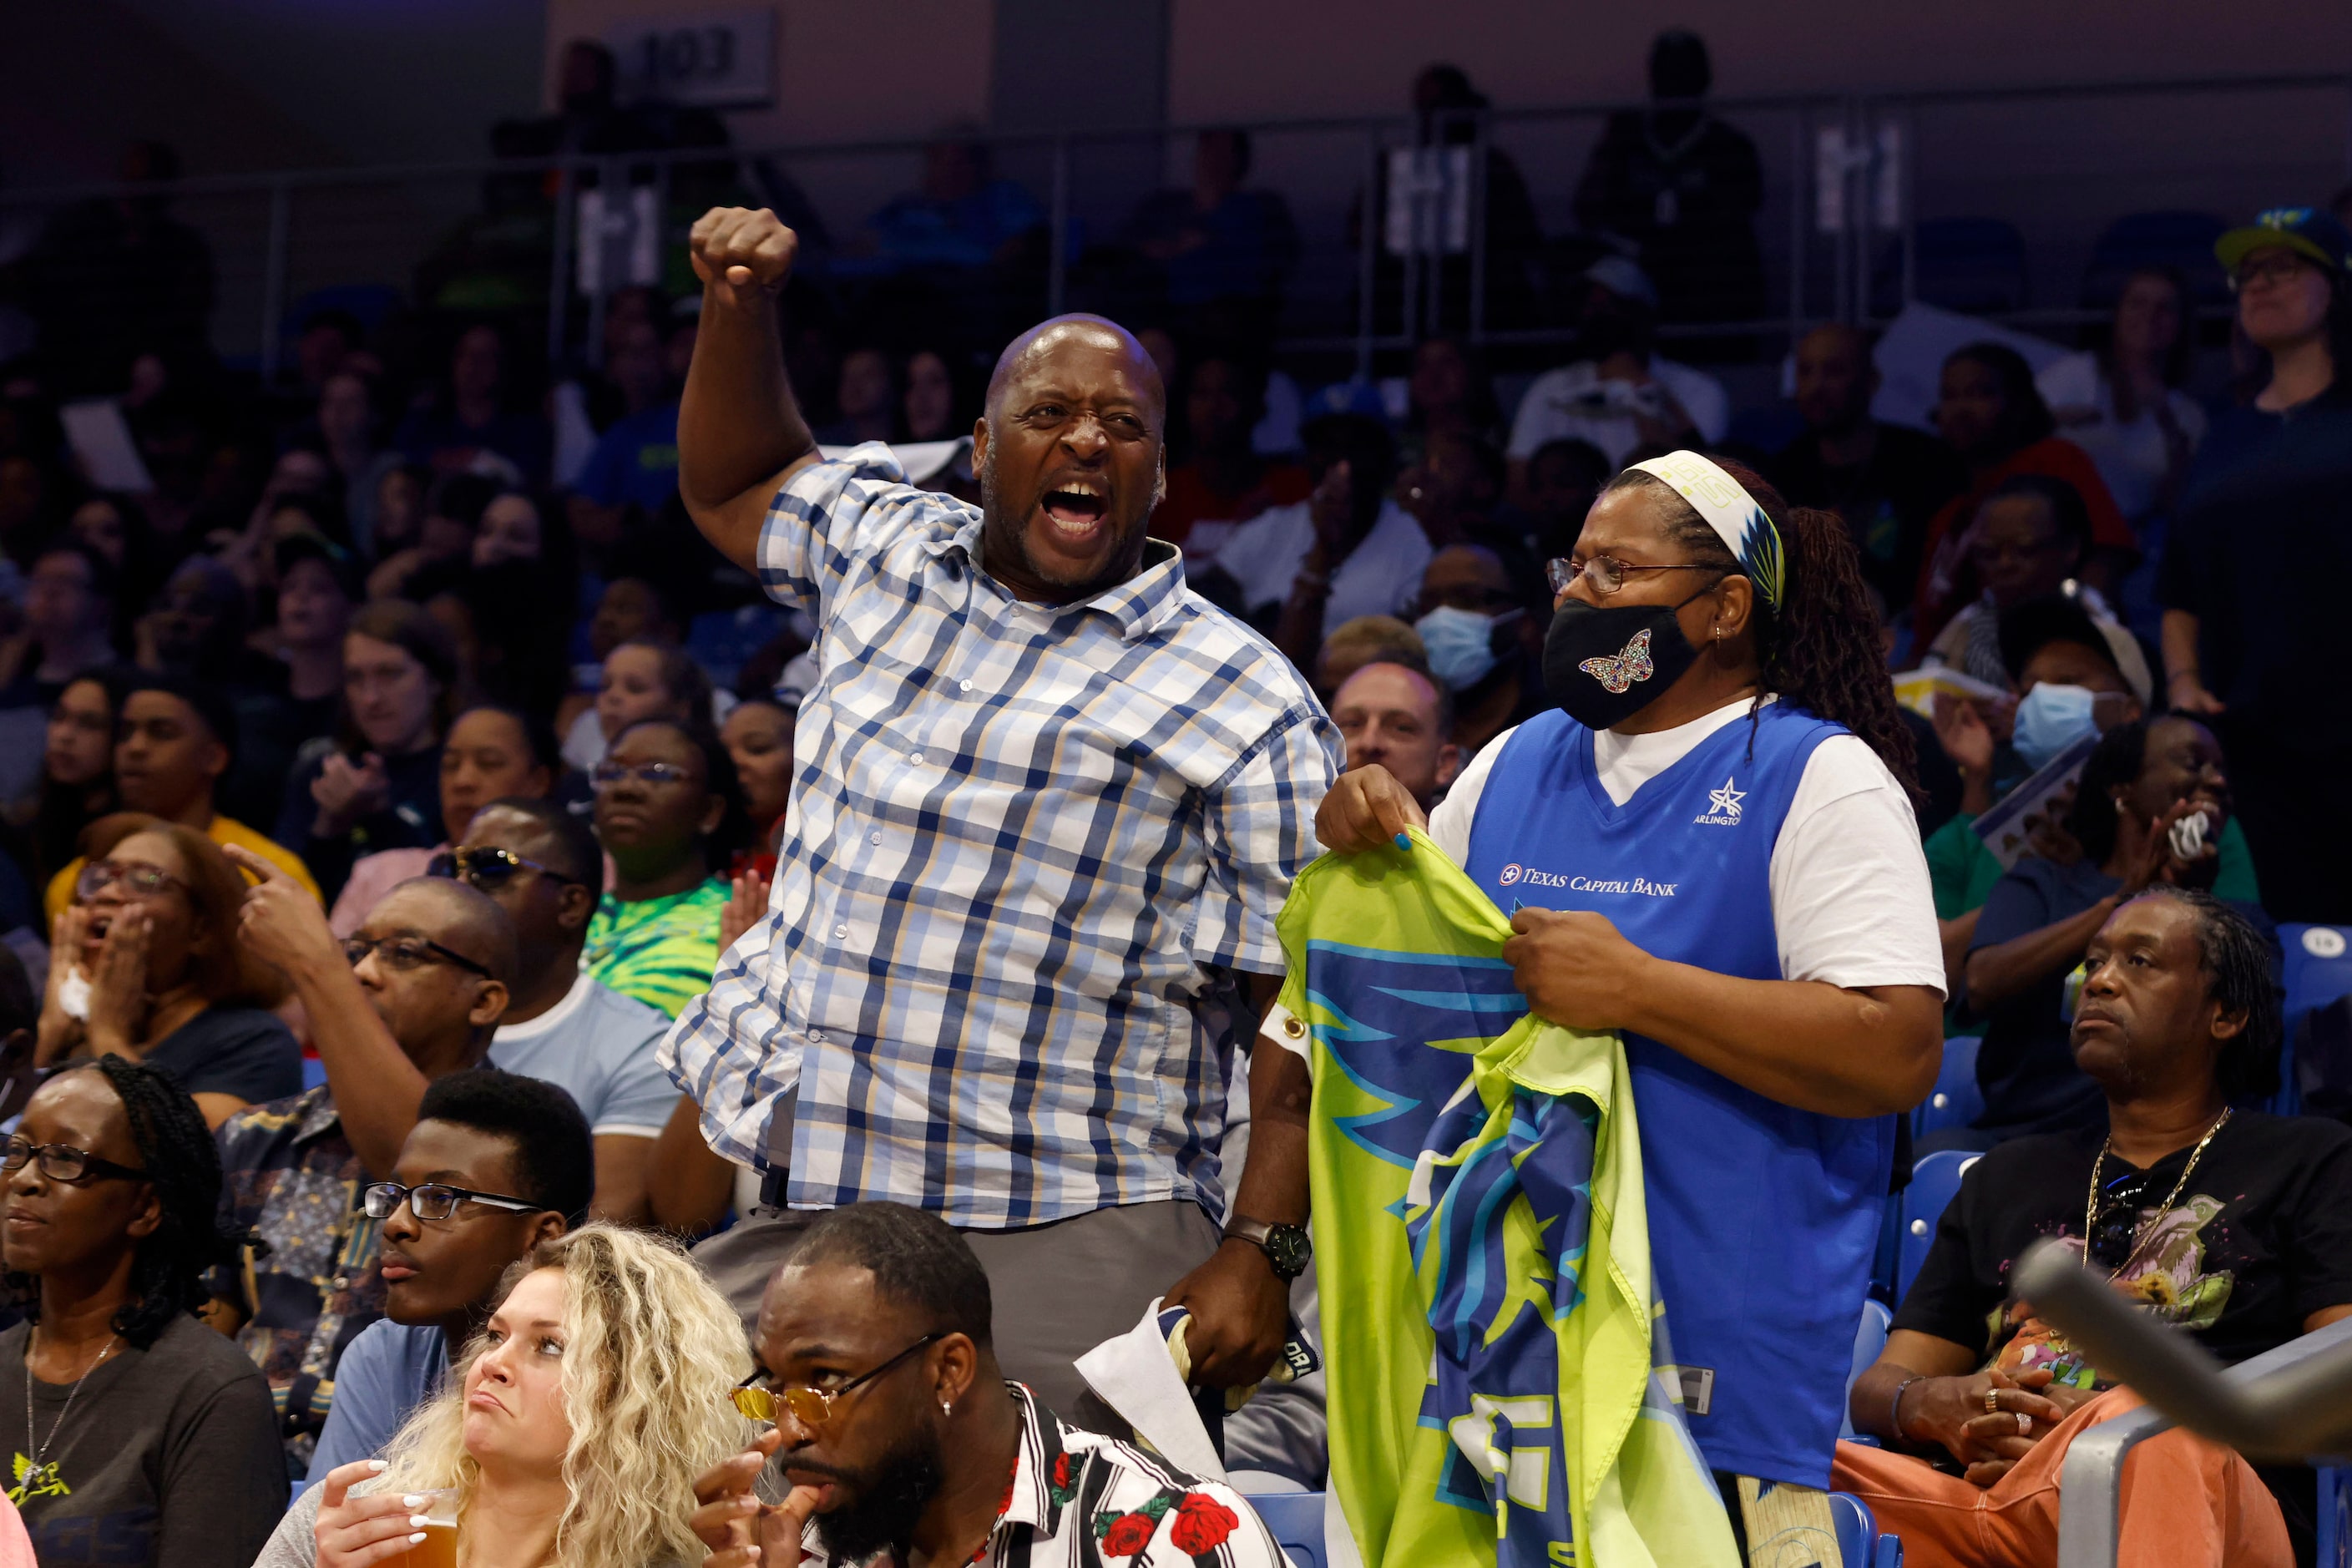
column 737, row 251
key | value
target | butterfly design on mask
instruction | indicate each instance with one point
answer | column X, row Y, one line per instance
column 1618, row 671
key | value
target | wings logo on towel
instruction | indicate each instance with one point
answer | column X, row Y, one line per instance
column 1619, row 670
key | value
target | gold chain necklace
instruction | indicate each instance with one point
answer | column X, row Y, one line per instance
column 2140, row 1231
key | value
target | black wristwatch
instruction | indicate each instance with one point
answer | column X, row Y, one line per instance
column 1285, row 1246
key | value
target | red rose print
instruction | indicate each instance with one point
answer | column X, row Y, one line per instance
column 1128, row 1534
column 1061, row 1472
column 1201, row 1522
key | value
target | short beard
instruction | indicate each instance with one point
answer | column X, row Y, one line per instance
column 1010, row 536
column 890, row 1498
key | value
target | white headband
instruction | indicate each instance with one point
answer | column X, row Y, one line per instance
column 1732, row 513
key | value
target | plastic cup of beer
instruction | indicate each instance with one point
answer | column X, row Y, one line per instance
column 439, row 1547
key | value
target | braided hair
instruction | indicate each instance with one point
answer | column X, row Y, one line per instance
column 1820, row 650
column 183, row 1164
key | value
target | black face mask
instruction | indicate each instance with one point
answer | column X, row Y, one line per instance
column 1604, row 664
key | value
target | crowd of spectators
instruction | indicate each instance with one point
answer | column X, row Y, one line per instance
column 397, row 759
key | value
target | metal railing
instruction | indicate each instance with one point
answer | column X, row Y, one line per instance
column 1846, row 176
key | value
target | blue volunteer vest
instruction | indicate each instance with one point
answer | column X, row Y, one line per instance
column 1763, row 1218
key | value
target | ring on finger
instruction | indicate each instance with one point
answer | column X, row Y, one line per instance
column 2024, row 1424
column 1992, row 1401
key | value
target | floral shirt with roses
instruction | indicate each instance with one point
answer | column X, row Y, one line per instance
column 1082, row 1500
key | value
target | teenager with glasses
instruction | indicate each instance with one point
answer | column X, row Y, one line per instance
column 903, row 1441
column 572, row 1428
column 670, row 813
column 1725, row 727
column 410, row 997
column 541, row 865
column 492, row 752
column 146, row 965
column 2264, row 535
column 2233, row 1227
column 138, row 1435
column 497, row 1164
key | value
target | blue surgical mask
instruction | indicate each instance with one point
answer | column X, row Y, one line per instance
column 1461, row 644
column 2051, row 718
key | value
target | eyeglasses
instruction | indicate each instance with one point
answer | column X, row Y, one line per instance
column 491, row 869
column 64, row 1162
column 140, row 881
column 434, row 1200
column 814, row 1406
column 2280, row 268
column 1606, row 574
column 611, row 772
column 407, row 952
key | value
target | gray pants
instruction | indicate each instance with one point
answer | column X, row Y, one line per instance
column 1057, row 1290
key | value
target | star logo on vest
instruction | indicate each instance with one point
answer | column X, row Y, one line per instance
column 1510, row 874
column 1722, row 806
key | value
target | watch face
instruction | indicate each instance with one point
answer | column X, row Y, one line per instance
column 1288, row 1247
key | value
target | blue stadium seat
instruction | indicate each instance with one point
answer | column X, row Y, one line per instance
column 2180, row 240
column 1297, row 1521
column 1956, row 1100
column 1869, row 1339
column 1973, row 265
column 1934, row 1180
column 2318, row 971
column 2335, row 1518
column 368, row 303
column 1859, row 1543
column 723, row 641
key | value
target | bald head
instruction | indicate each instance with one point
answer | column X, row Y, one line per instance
column 1070, row 460
column 1835, row 379
column 459, row 917
column 1041, row 343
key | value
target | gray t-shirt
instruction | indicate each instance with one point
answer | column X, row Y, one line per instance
column 295, row 1543
column 598, row 1046
column 168, row 1456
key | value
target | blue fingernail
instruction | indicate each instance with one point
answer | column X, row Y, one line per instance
column 1403, row 842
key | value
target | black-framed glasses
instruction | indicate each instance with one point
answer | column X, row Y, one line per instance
column 140, row 880
column 407, row 953
column 490, row 868
column 434, row 1200
column 813, row 1407
column 612, row 773
column 1606, row 574
column 2282, row 267
column 64, row 1162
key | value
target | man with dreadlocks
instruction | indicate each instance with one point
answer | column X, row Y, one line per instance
column 135, row 1434
column 1709, row 847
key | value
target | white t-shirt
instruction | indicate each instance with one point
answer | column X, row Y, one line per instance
column 1382, row 576
column 1573, row 401
column 597, row 1046
column 2132, row 457
column 1851, row 901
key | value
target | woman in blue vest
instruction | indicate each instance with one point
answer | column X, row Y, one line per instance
column 1709, row 844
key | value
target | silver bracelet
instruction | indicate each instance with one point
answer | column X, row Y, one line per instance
column 1894, row 1405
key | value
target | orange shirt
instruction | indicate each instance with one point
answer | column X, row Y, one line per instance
column 1189, row 500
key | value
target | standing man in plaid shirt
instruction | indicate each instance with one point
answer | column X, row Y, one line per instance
column 1047, row 803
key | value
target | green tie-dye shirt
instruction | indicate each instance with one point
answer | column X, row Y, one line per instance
column 659, row 950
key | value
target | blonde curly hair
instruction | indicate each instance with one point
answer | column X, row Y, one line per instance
column 651, row 1355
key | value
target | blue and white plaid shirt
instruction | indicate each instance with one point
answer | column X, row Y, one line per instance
column 1019, row 837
